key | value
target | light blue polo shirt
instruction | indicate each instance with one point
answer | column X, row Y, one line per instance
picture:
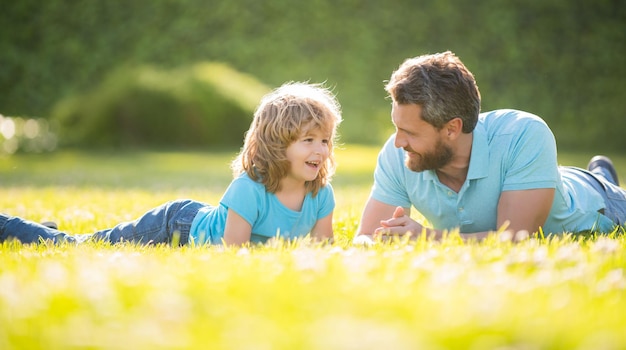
column 511, row 150
column 263, row 211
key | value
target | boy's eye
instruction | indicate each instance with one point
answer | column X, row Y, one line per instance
column 325, row 141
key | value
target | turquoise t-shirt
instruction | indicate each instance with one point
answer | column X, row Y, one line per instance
column 511, row 150
column 263, row 211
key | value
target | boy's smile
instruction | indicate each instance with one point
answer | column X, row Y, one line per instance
column 307, row 154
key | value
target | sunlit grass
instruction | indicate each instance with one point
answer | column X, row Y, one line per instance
column 558, row 293
column 538, row 294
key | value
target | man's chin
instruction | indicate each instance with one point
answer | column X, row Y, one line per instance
column 414, row 167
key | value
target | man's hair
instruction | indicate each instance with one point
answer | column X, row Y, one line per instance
column 283, row 116
column 441, row 85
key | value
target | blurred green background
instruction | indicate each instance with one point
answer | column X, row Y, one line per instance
column 91, row 68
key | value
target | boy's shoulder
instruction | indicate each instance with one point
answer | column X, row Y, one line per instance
column 246, row 182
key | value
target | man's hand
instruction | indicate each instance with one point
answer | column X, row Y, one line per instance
column 398, row 225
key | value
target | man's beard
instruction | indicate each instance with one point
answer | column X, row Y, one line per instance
column 437, row 159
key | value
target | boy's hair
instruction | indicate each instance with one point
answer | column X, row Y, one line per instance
column 283, row 116
column 441, row 85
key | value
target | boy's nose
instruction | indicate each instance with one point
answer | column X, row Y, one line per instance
column 321, row 148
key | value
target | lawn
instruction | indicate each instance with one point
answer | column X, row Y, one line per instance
column 561, row 293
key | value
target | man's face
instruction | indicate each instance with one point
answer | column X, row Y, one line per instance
column 424, row 144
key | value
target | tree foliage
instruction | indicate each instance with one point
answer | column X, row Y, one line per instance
column 207, row 104
column 562, row 60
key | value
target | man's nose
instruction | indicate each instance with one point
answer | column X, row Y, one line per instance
column 400, row 142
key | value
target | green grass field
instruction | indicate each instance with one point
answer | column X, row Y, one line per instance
column 561, row 293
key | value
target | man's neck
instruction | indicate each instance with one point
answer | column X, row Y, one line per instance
column 454, row 173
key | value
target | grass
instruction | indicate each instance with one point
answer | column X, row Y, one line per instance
column 565, row 292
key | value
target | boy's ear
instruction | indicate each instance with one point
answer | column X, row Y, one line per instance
column 454, row 127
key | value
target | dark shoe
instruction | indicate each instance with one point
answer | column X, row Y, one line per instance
column 603, row 162
column 50, row 224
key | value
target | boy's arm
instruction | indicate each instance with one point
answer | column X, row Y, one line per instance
column 323, row 229
column 237, row 231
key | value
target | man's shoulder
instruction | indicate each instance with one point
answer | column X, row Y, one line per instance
column 515, row 134
column 505, row 121
column 508, row 115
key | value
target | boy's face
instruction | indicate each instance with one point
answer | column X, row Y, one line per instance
column 307, row 155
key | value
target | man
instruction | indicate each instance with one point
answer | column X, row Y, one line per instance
column 478, row 172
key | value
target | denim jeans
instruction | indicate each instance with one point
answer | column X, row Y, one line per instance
column 168, row 223
column 614, row 196
column 25, row 231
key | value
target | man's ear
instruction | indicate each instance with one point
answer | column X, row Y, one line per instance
column 454, row 127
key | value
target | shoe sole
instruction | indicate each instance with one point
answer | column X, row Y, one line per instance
column 604, row 162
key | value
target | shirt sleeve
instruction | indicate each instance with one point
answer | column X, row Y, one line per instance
column 244, row 198
column 532, row 161
column 389, row 177
column 326, row 201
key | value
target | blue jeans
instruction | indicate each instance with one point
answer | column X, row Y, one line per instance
column 168, row 223
column 25, row 231
column 614, row 196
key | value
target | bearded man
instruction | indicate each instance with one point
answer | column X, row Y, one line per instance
column 478, row 172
